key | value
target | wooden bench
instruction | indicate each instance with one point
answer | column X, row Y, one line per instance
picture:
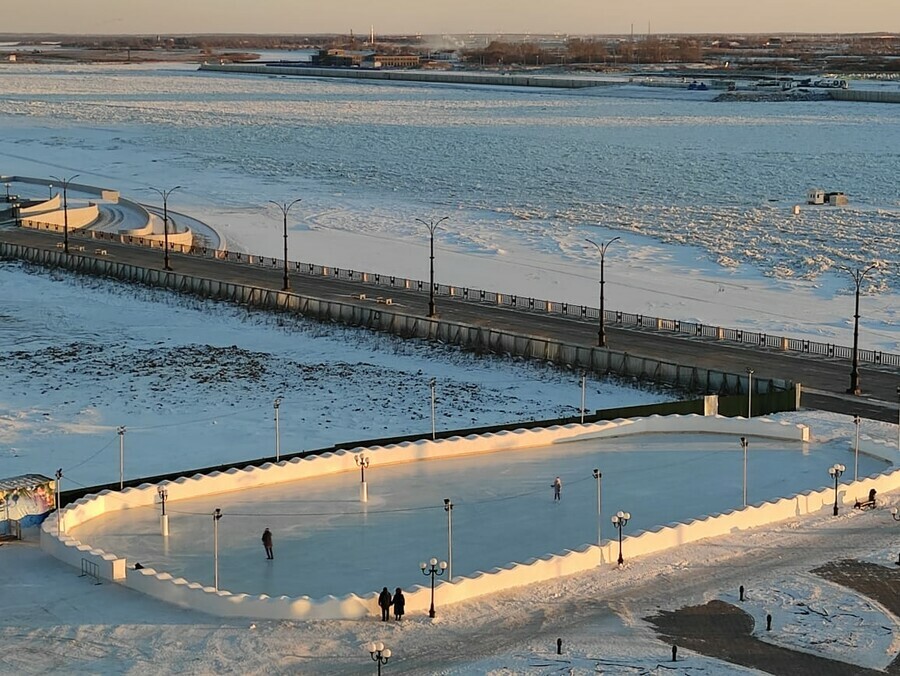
column 385, row 301
column 79, row 248
column 358, row 296
column 100, row 252
column 60, row 245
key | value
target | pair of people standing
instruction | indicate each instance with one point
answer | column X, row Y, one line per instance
column 385, row 601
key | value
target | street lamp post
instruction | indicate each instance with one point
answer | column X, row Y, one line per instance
column 433, row 568
column 749, row 393
column 285, row 208
column 121, row 432
column 898, row 418
column 601, row 248
column 50, row 189
column 276, row 405
column 163, row 493
column 598, row 475
column 216, row 516
column 65, row 184
column 7, row 191
column 448, row 507
column 835, row 472
column 583, row 392
column 432, row 384
column 380, row 654
column 432, row 225
column 856, row 421
column 744, row 445
column 165, row 198
column 59, row 475
column 362, row 461
column 619, row 519
column 857, row 276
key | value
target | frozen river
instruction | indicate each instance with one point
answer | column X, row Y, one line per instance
column 327, row 542
column 700, row 192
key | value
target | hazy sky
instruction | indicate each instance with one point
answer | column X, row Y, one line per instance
column 451, row 16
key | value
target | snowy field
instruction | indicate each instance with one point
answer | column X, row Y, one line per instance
column 700, row 192
column 194, row 381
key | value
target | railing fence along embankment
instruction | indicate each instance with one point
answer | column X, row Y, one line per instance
column 614, row 318
column 384, row 318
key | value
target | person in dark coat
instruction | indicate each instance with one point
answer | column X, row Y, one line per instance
column 399, row 604
column 557, row 488
column 384, row 602
column 267, row 543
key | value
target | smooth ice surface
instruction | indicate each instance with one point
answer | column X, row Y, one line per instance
column 327, row 542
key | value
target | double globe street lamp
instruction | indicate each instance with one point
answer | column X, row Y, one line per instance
column 835, row 472
column 619, row 519
column 433, row 568
column 379, row 653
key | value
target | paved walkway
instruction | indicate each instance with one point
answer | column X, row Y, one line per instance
column 719, row 629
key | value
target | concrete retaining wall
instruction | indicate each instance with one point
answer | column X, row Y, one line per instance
column 379, row 318
column 864, row 95
column 223, row 603
column 77, row 217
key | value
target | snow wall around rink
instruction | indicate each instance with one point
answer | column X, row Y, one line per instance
column 194, row 595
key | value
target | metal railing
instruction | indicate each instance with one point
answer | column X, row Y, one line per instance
column 90, row 569
column 615, row 318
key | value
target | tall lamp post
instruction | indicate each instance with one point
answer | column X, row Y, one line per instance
column 59, row 476
column 432, row 384
column 858, row 276
column 165, row 198
column 121, row 432
column 433, row 568
column 619, row 519
column 744, row 445
column 601, row 248
column 380, row 654
column 835, row 472
column 216, row 516
column 856, row 421
column 898, row 418
column 277, row 405
column 749, row 393
column 432, row 225
column 598, row 475
column 362, row 461
column 448, row 507
column 65, row 184
column 285, row 208
column 163, row 493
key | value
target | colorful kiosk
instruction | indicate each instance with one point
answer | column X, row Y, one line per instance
column 25, row 501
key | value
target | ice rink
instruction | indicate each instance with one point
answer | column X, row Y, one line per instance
column 328, row 542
